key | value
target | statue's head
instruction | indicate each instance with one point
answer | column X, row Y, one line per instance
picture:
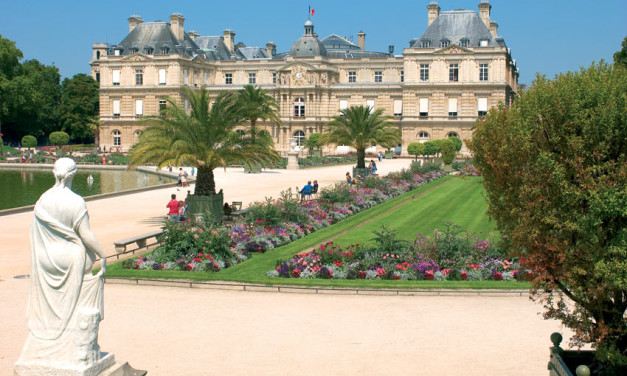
column 64, row 168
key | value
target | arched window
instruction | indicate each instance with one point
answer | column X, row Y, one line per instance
column 117, row 138
column 452, row 134
column 423, row 136
column 299, row 107
column 299, row 136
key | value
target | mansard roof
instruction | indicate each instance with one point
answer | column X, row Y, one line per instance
column 253, row 53
column 216, row 47
column 455, row 26
column 336, row 42
column 155, row 35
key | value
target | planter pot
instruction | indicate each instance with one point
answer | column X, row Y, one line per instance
column 206, row 208
column 252, row 168
column 315, row 153
column 389, row 154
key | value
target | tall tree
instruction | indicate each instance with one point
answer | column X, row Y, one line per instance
column 620, row 57
column 10, row 57
column 554, row 168
column 360, row 128
column 78, row 112
column 201, row 138
column 254, row 103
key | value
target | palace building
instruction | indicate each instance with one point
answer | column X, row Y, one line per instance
column 442, row 82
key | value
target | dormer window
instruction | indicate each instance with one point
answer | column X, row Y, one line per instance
column 117, row 52
column 483, row 43
column 445, row 43
column 165, row 50
column 425, row 43
column 149, row 50
column 464, row 43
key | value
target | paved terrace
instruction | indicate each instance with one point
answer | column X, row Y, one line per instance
column 195, row 331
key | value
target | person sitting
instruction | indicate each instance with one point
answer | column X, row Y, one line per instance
column 183, row 210
column 361, row 177
column 349, row 180
column 314, row 189
column 306, row 191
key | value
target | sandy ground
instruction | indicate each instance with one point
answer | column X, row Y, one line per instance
column 182, row 331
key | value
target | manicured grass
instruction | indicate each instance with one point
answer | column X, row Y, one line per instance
column 254, row 270
column 460, row 201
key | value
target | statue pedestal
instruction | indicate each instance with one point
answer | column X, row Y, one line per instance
column 106, row 366
column 292, row 160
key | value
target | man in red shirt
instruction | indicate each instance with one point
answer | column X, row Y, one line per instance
column 173, row 205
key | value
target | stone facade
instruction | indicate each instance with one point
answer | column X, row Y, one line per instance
column 437, row 87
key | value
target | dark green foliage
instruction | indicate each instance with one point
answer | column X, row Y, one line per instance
column 387, row 241
column 416, row 149
column 59, row 138
column 620, row 57
column 29, row 141
column 78, row 111
column 185, row 238
column 314, row 141
column 447, row 148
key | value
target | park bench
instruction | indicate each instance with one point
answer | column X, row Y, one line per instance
column 140, row 240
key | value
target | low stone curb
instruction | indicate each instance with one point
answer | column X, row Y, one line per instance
column 246, row 287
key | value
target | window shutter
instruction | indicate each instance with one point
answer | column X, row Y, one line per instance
column 139, row 107
column 116, row 76
column 482, row 104
column 116, row 107
column 398, row 107
column 424, row 104
column 343, row 104
column 370, row 105
column 162, row 75
column 452, row 105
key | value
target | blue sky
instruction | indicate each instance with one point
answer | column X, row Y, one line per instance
column 546, row 36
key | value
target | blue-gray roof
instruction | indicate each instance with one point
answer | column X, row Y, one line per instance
column 455, row 26
column 253, row 53
column 308, row 45
column 155, row 35
column 215, row 46
column 336, row 42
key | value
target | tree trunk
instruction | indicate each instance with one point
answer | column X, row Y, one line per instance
column 205, row 182
column 361, row 156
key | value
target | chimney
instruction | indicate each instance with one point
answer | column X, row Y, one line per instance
column 493, row 28
column 193, row 35
column 133, row 21
column 433, row 11
column 361, row 40
column 484, row 12
column 229, row 40
column 177, row 21
column 270, row 49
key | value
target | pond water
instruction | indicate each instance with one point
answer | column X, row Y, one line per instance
column 23, row 187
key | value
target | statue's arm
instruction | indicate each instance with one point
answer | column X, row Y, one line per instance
column 89, row 240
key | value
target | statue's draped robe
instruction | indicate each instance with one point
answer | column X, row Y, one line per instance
column 62, row 286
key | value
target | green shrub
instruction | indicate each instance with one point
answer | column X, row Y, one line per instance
column 59, row 138
column 29, row 141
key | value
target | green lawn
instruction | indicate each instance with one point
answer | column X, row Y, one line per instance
column 254, row 270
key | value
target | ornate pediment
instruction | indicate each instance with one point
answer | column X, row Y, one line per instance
column 136, row 57
column 452, row 49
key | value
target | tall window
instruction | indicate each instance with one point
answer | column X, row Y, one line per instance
column 205, row 79
column 116, row 77
column 452, row 107
column 139, row 107
column 228, row 78
column 343, row 104
column 398, row 107
column 424, row 72
column 139, row 77
column 483, row 72
column 370, row 104
column 162, row 76
column 352, row 76
column 424, row 107
column 97, row 76
column 378, row 76
column 117, row 138
column 482, row 106
column 425, row 44
column 274, row 77
column 300, row 137
column 402, row 76
column 195, row 79
column 445, row 43
column 453, row 72
column 453, row 134
column 299, row 107
column 252, row 78
column 162, row 105
column 185, row 77
column 116, row 108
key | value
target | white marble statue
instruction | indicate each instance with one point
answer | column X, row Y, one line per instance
column 65, row 301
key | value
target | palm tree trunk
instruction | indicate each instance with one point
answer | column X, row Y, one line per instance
column 361, row 156
column 253, row 130
column 205, row 182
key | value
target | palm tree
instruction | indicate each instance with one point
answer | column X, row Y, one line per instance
column 256, row 104
column 360, row 128
column 200, row 138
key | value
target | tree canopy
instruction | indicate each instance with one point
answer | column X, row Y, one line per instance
column 360, row 128
column 203, row 137
column 78, row 111
column 254, row 103
column 554, row 168
column 416, row 148
column 59, row 138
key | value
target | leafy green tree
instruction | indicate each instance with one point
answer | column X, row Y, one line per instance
column 29, row 141
column 416, row 148
column 620, row 57
column 313, row 142
column 78, row 111
column 201, row 138
column 554, row 168
column 447, row 149
column 457, row 142
column 359, row 128
column 10, row 57
column 254, row 103
column 59, row 138
column 431, row 148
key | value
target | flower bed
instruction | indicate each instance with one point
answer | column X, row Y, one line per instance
column 441, row 257
column 270, row 224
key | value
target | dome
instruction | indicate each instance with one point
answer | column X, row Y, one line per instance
column 308, row 45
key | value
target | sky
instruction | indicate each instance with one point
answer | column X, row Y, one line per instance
column 546, row 36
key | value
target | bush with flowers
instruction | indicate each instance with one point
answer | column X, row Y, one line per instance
column 270, row 224
column 427, row 258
